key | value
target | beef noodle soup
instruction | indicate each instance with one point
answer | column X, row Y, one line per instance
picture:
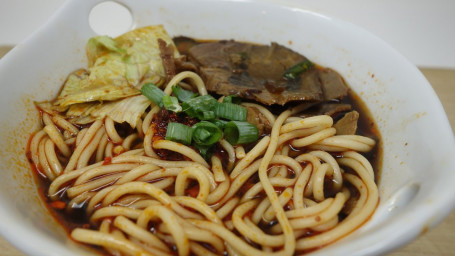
column 175, row 146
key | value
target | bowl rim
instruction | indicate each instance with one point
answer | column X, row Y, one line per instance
column 423, row 217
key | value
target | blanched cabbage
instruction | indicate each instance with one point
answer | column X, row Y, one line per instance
column 100, row 45
column 116, row 71
column 79, row 87
column 125, row 110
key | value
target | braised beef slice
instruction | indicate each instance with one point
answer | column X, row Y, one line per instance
column 184, row 44
column 333, row 84
column 167, row 58
column 348, row 124
column 256, row 72
column 255, row 117
column 327, row 108
column 182, row 64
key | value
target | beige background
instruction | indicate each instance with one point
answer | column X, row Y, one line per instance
column 438, row 241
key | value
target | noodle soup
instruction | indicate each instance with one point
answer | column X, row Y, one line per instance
column 174, row 146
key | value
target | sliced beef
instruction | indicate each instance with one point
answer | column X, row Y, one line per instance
column 255, row 117
column 256, row 72
column 332, row 109
column 167, row 57
column 333, row 84
column 348, row 124
column 184, row 44
column 182, row 64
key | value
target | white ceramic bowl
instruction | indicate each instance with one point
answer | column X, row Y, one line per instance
column 416, row 186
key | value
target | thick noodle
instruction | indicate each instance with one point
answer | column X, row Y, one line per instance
column 271, row 199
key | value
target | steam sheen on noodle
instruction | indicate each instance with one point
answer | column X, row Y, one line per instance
column 267, row 200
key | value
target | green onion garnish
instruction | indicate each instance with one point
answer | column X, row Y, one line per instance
column 237, row 132
column 220, row 123
column 182, row 94
column 230, row 111
column 232, row 99
column 171, row 103
column 179, row 132
column 201, row 107
column 293, row 72
column 208, row 115
column 153, row 93
column 205, row 151
column 206, row 133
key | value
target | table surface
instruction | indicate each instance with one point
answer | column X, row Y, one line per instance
column 438, row 241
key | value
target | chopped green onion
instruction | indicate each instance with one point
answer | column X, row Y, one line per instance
column 201, row 134
column 232, row 99
column 206, row 133
column 293, row 72
column 205, row 151
column 237, row 132
column 179, row 132
column 220, row 123
column 182, row 94
column 171, row 103
column 201, row 107
column 230, row 111
column 208, row 115
column 153, row 93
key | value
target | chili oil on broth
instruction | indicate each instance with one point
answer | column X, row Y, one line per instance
column 78, row 219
